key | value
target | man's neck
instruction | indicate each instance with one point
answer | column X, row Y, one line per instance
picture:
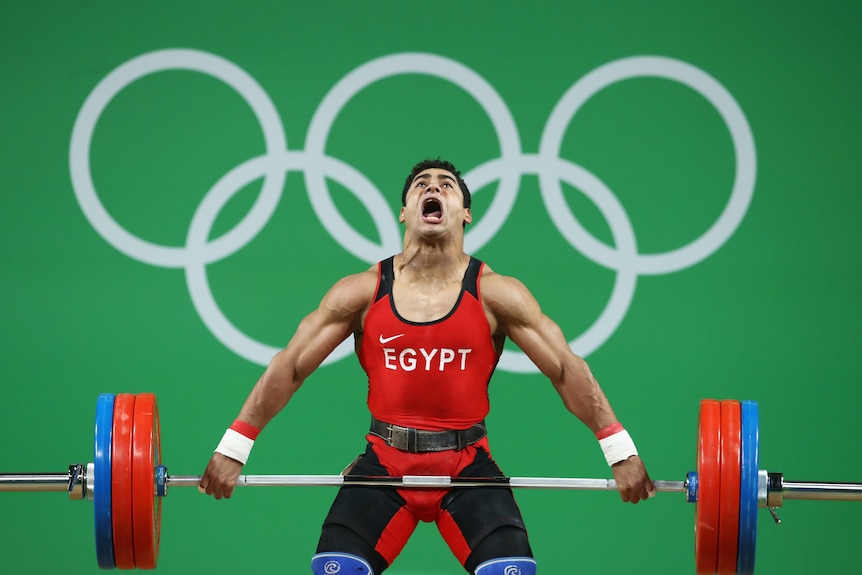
column 427, row 261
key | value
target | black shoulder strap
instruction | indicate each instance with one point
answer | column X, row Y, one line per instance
column 387, row 273
column 471, row 277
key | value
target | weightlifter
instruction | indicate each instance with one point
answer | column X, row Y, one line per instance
column 429, row 325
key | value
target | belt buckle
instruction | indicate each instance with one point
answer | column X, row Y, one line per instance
column 399, row 437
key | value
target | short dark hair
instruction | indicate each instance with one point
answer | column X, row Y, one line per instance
column 439, row 164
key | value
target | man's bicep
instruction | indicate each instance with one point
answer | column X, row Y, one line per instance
column 318, row 334
column 543, row 342
column 521, row 319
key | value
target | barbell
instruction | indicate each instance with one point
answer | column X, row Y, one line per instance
column 127, row 481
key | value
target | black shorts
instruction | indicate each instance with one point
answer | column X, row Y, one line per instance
column 374, row 522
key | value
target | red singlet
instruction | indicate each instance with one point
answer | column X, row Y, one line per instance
column 428, row 375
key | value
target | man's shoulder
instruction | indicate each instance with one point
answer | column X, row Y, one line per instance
column 507, row 298
column 497, row 286
column 354, row 291
column 364, row 280
column 496, row 278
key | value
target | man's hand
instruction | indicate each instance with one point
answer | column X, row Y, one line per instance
column 220, row 476
column 633, row 480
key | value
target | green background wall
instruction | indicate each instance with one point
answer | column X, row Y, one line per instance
column 771, row 314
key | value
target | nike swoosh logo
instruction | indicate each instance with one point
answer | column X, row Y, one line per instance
column 388, row 339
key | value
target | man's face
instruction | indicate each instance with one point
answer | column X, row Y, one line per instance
column 435, row 202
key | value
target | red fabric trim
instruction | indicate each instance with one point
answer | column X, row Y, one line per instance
column 609, row 430
column 452, row 535
column 395, row 536
column 246, row 429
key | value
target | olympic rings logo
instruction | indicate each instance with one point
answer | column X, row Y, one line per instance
column 273, row 166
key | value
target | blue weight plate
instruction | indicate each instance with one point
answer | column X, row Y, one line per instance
column 102, row 481
column 750, row 460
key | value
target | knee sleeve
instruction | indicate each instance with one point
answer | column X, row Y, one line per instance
column 339, row 564
column 507, row 566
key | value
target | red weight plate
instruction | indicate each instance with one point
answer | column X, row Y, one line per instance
column 146, row 507
column 121, row 481
column 709, row 482
column 157, row 503
column 728, row 521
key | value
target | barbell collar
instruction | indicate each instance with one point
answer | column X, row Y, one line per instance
column 77, row 484
column 90, row 481
column 775, row 490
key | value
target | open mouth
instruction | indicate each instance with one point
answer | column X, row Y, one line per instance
column 432, row 210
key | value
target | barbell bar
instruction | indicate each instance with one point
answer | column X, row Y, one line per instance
column 57, row 482
column 77, row 476
column 61, row 482
column 127, row 482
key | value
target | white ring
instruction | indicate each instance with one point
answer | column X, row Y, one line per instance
column 731, row 113
column 101, row 96
column 276, row 161
column 413, row 63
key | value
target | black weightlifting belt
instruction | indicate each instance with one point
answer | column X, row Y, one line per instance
column 420, row 440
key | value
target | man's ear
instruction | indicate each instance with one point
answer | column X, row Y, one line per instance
column 401, row 216
column 468, row 216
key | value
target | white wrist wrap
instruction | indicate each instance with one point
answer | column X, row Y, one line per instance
column 235, row 445
column 618, row 447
